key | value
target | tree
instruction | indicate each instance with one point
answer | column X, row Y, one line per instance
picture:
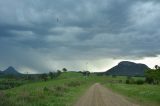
column 157, row 67
column 86, row 73
column 58, row 73
column 64, row 70
column 153, row 75
column 44, row 77
column 51, row 75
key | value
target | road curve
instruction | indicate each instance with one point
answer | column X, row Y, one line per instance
column 97, row 95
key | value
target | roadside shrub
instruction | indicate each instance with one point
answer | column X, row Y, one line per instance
column 74, row 84
column 58, row 93
column 45, row 89
column 39, row 94
column 25, row 96
column 2, row 94
column 44, row 77
column 4, row 100
column 99, row 74
column 120, row 81
column 130, row 80
column 7, row 84
column 114, row 76
column 153, row 75
column 149, row 80
column 48, row 91
column 139, row 82
column 60, row 88
column 8, row 94
column 127, row 81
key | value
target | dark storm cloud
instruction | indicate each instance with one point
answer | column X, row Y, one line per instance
column 67, row 30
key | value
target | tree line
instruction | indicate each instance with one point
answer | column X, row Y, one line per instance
column 153, row 75
column 52, row 75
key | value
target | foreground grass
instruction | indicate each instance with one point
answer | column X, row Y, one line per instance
column 147, row 95
column 65, row 90
column 58, row 92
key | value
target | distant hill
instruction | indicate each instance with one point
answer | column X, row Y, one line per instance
column 128, row 69
column 1, row 72
column 11, row 71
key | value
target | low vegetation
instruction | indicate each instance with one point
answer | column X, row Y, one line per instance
column 62, row 91
column 7, row 84
column 153, row 75
column 147, row 95
column 64, row 88
column 137, row 90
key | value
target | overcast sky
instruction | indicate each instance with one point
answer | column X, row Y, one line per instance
column 45, row 35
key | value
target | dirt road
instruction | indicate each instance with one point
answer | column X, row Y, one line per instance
column 97, row 95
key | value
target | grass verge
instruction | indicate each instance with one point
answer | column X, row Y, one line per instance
column 147, row 95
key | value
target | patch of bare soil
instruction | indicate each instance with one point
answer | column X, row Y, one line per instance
column 97, row 95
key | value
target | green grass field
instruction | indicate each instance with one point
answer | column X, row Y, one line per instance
column 63, row 91
column 147, row 95
column 69, row 86
column 58, row 92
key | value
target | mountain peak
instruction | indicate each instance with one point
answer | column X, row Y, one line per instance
column 11, row 70
column 128, row 68
column 126, row 63
column 10, row 67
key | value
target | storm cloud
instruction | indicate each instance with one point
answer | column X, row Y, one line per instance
column 45, row 35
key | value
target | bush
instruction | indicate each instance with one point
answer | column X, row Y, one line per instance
column 5, row 101
column 153, row 75
column 120, row 81
column 139, row 82
column 45, row 89
column 7, row 84
column 44, row 77
column 25, row 96
column 127, row 81
column 60, row 88
column 149, row 80
column 130, row 80
column 74, row 84
column 58, row 93
column 114, row 76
